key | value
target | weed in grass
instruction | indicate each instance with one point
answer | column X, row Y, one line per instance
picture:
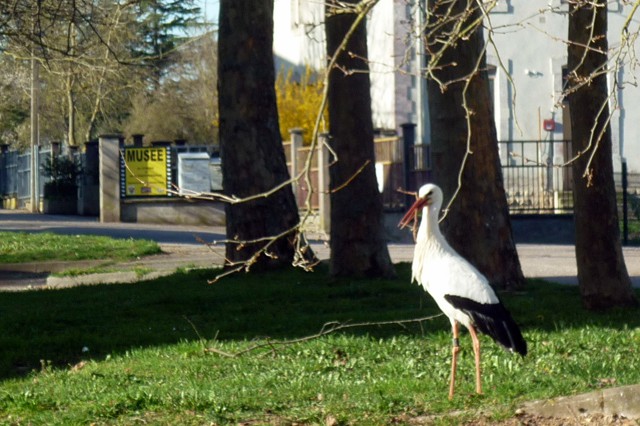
column 142, row 271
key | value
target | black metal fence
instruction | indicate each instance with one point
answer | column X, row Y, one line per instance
column 15, row 172
column 537, row 178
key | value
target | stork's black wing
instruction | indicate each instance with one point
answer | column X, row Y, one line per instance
column 492, row 319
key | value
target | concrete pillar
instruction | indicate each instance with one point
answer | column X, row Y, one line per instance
column 89, row 189
column 408, row 160
column 324, row 198
column 109, row 168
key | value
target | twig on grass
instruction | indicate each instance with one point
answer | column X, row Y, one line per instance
column 327, row 328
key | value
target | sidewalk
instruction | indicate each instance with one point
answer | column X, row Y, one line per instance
column 37, row 275
column 183, row 247
column 549, row 262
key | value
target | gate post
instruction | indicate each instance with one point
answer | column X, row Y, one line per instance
column 324, row 197
column 109, row 169
column 4, row 148
column 296, row 144
column 408, row 143
column 625, row 217
column 89, row 202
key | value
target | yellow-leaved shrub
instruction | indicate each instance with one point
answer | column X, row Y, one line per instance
column 299, row 103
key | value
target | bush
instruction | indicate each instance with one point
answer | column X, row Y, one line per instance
column 63, row 172
column 299, row 102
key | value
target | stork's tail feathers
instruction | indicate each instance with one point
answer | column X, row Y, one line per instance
column 493, row 320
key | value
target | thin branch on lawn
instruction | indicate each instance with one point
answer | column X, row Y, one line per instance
column 327, row 328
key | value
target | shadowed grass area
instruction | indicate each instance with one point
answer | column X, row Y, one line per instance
column 18, row 247
column 152, row 352
column 633, row 231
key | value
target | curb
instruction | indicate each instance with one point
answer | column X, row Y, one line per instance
column 124, row 277
column 622, row 401
column 53, row 266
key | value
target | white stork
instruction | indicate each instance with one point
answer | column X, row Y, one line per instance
column 460, row 290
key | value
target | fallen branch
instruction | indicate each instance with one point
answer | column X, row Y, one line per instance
column 327, row 328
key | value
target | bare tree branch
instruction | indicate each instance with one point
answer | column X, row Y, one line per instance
column 328, row 328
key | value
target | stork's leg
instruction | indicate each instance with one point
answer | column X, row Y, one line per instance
column 454, row 354
column 476, row 353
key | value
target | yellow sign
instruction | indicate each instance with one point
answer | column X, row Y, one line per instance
column 146, row 171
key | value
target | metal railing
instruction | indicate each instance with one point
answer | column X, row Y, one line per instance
column 536, row 176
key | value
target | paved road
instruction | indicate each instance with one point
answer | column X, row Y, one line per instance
column 185, row 243
column 12, row 220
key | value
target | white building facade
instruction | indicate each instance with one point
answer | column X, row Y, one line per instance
column 527, row 51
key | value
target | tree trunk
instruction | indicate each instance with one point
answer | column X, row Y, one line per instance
column 253, row 160
column 602, row 274
column 358, row 245
column 477, row 224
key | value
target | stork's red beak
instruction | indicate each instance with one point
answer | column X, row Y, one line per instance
column 412, row 213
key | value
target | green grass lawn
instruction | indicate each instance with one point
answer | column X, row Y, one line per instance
column 19, row 247
column 152, row 352
column 633, row 231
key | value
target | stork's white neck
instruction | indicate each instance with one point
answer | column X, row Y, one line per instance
column 429, row 229
column 429, row 242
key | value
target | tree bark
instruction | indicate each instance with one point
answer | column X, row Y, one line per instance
column 464, row 144
column 253, row 160
column 358, row 245
column 602, row 274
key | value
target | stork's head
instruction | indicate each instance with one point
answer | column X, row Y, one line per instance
column 428, row 195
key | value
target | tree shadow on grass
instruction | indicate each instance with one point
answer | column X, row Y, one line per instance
column 61, row 327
